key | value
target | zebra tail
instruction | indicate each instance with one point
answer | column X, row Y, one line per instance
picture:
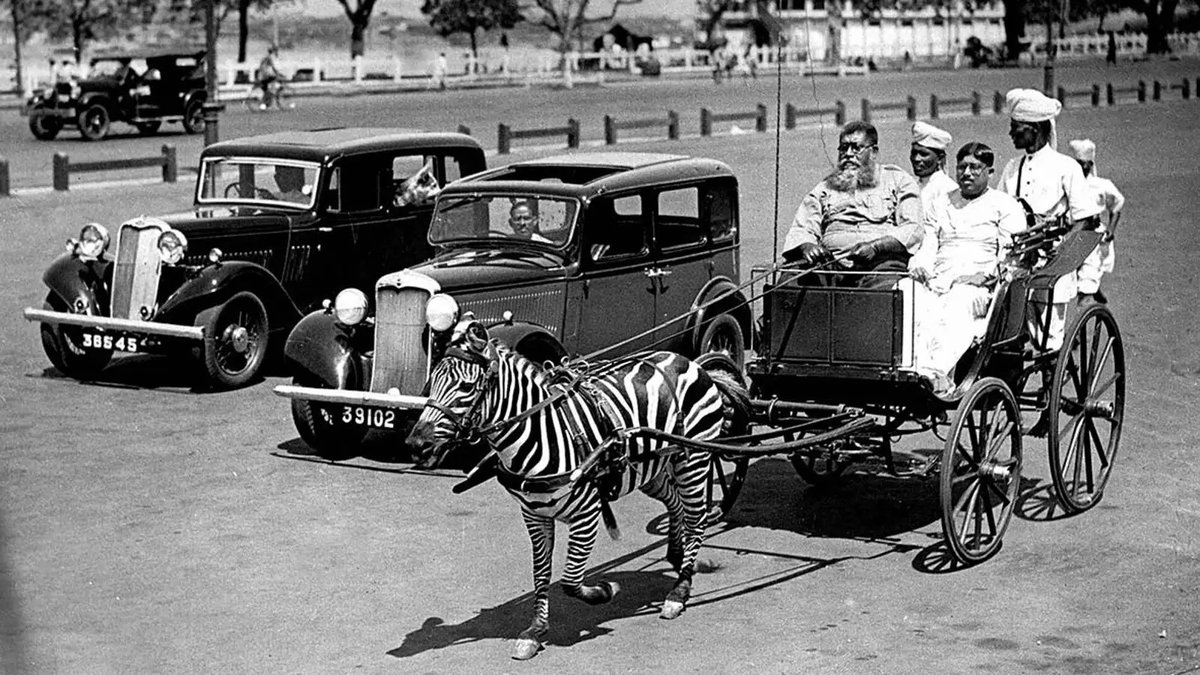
column 735, row 400
column 610, row 520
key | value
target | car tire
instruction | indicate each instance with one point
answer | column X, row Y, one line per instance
column 148, row 128
column 193, row 117
column 723, row 335
column 236, row 334
column 44, row 125
column 62, row 345
column 94, row 122
column 321, row 430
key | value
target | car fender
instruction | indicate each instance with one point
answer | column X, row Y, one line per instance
column 215, row 283
column 75, row 281
column 321, row 348
column 198, row 95
column 720, row 295
column 88, row 98
column 532, row 341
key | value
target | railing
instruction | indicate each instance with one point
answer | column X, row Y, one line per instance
column 63, row 166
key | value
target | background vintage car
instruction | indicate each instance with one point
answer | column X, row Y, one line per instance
column 634, row 251
column 143, row 88
column 228, row 279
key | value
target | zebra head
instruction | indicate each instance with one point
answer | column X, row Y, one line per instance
column 457, row 385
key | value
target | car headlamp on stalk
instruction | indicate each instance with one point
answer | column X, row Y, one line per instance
column 350, row 306
column 172, row 246
column 441, row 312
column 92, row 243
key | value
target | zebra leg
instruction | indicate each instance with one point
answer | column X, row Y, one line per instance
column 689, row 486
column 541, row 539
column 583, row 538
column 664, row 491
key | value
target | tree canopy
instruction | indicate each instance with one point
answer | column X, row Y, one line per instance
column 448, row 17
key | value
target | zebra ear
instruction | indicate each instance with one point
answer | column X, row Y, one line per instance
column 476, row 336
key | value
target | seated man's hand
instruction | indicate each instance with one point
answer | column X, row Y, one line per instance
column 863, row 252
column 974, row 280
column 807, row 253
column 919, row 273
column 979, row 305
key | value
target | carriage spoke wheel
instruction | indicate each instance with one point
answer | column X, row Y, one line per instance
column 981, row 470
column 726, row 475
column 1087, row 405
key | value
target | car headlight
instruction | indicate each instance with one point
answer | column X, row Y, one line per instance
column 350, row 306
column 172, row 246
column 93, row 241
column 441, row 312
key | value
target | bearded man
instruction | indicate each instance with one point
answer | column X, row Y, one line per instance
column 865, row 214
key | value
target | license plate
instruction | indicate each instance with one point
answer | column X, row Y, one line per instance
column 376, row 418
column 110, row 342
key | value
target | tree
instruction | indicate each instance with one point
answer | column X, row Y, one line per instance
column 711, row 12
column 567, row 19
column 468, row 16
column 1160, row 22
column 83, row 20
column 1014, row 28
column 359, row 13
column 15, row 6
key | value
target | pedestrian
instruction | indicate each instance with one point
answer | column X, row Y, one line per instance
column 440, row 67
column 1111, row 201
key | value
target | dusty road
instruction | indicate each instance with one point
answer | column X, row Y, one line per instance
column 146, row 528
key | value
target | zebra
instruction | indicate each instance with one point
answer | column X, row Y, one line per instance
column 542, row 433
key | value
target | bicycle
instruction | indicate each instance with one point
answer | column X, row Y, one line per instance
column 279, row 96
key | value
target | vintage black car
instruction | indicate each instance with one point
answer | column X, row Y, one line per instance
column 279, row 223
column 565, row 255
column 143, row 88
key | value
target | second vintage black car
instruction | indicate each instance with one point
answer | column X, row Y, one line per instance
column 280, row 222
column 144, row 88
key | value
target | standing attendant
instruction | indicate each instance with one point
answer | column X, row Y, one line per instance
column 1052, row 185
column 928, row 158
column 1111, row 201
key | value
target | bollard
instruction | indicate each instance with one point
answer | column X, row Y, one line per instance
column 5, row 185
column 672, row 125
column 464, row 129
column 503, row 134
column 997, row 102
column 1110, row 95
column 572, row 133
column 705, row 122
column 1157, row 90
column 1186, row 89
column 170, row 168
column 1095, row 95
column 610, row 130
column 789, row 117
column 866, row 111
column 839, row 113
column 62, row 172
column 1062, row 95
column 976, row 103
column 760, row 122
column 933, row 106
column 912, row 108
column 1141, row 91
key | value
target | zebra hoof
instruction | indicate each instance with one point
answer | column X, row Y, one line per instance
column 526, row 649
column 671, row 609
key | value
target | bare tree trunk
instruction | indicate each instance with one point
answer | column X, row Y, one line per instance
column 243, row 28
column 16, row 26
column 358, row 31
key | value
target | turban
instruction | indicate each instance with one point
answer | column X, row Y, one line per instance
column 930, row 136
column 1084, row 150
column 1031, row 105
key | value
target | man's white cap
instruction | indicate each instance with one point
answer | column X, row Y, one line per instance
column 1031, row 105
column 930, row 136
column 1083, row 150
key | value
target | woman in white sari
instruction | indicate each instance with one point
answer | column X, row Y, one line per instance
column 967, row 235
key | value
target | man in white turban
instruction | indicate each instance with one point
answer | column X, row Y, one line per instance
column 1111, row 201
column 1052, row 185
column 928, row 158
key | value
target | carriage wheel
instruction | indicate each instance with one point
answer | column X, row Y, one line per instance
column 981, row 470
column 725, row 479
column 1087, row 405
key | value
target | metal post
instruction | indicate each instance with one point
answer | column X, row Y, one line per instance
column 5, row 185
column 976, row 103
column 705, row 122
column 1062, row 95
column 933, row 106
column 170, row 168
column 912, row 108
column 502, row 138
column 672, row 125
column 1141, row 91
column 1186, row 89
column 1157, row 90
column 760, row 122
column 610, row 130
column 1095, row 95
column 1110, row 95
column 997, row 102
column 839, row 112
column 211, row 107
column 789, row 117
column 866, row 111
column 62, row 171
column 572, row 133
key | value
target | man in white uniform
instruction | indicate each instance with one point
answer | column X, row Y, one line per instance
column 1053, row 186
column 928, row 158
column 967, row 235
column 1111, row 201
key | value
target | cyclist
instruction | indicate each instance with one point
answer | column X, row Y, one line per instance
column 268, row 77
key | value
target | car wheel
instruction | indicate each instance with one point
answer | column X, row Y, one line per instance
column 193, row 117
column 64, row 346
column 94, row 122
column 321, row 429
column 723, row 335
column 235, row 340
column 148, row 128
column 44, row 125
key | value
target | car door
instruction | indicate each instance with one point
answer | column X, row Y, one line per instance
column 615, row 293
column 682, row 264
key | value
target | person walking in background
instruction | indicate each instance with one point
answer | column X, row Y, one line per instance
column 267, row 76
column 1110, row 201
column 438, row 76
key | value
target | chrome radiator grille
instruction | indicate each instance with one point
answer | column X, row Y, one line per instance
column 136, row 272
column 401, row 360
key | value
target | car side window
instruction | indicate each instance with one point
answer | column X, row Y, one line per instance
column 678, row 225
column 722, row 225
column 415, row 179
column 617, row 228
column 353, row 189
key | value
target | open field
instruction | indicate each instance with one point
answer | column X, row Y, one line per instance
column 145, row 528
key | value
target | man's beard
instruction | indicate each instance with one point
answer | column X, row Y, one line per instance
column 852, row 177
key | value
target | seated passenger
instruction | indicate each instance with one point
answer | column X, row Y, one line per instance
column 419, row 188
column 966, row 237
column 524, row 224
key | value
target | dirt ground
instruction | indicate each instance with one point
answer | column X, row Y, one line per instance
column 146, row 528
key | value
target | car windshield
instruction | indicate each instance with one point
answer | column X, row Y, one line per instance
column 258, row 181
column 117, row 68
column 503, row 218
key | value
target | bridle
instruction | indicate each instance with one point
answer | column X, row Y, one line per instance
column 466, row 426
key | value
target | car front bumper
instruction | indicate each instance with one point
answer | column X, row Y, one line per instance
column 348, row 397
column 105, row 323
